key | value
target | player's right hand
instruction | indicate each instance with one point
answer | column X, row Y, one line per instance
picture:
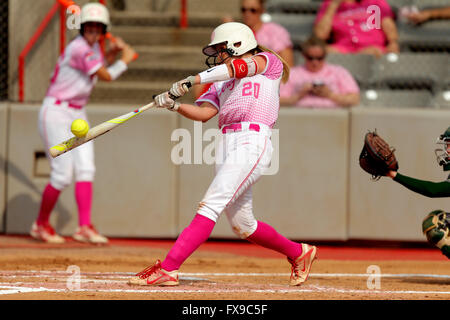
column 118, row 44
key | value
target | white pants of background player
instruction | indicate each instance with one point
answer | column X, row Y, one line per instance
column 241, row 159
column 54, row 127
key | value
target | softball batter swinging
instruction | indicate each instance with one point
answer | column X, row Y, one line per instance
column 74, row 77
column 245, row 93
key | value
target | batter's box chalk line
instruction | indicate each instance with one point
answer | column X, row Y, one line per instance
column 30, row 287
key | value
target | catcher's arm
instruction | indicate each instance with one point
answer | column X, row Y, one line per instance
column 425, row 188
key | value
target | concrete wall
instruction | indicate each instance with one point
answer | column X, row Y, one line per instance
column 298, row 200
column 3, row 157
column 134, row 190
column 318, row 193
column 307, row 198
column 386, row 210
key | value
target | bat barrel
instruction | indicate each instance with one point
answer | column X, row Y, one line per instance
column 95, row 132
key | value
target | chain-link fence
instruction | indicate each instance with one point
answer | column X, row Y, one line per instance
column 4, row 50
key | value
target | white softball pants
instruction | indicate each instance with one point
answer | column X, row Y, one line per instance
column 241, row 159
column 54, row 127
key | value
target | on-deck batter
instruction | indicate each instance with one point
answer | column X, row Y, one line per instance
column 245, row 93
column 74, row 77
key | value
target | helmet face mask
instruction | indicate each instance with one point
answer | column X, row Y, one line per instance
column 237, row 38
column 83, row 27
column 442, row 155
column 217, row 56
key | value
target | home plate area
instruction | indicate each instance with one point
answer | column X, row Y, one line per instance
column 27, row 282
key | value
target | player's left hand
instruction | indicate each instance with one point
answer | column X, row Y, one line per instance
column 163, row 100
column 180, row 88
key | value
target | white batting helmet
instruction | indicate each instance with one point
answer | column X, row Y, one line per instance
column 95, row 12
column 238, row 37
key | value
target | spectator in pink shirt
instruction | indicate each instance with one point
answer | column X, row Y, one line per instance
column 268, row 34
column 317, row 84
column 357, row 26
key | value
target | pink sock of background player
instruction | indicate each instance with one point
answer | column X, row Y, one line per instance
column 49, row 198
column 83, row 196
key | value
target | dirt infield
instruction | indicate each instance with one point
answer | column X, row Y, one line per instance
column 217, row 271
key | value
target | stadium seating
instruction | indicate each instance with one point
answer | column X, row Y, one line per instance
column 427, row 4
column 411, row 71
column 397, row 98
column 421, row 70
column 300, row 26
column 360, row 66
column 293, row 6
column 442, row 100
column 432, row 36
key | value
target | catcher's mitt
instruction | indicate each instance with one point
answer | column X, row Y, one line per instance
column 436, row 227
column 377, row 157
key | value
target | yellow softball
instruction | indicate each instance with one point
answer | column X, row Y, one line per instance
column 79, row 128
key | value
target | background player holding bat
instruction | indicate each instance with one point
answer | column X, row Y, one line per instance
column 245, row 94
column 74, row 77
column 378, row 159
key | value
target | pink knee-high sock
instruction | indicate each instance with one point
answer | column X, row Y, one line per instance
column 188, row 241
column 49, row 198
column 266, row 236
column 83, row 196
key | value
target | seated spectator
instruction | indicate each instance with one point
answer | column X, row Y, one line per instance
column 317, row 84
column 351, row 27
column 268, row 34
column 429, row 14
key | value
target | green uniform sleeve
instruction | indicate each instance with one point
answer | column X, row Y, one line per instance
column 426, row 188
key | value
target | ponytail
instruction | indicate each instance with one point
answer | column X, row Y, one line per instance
column 286, row 69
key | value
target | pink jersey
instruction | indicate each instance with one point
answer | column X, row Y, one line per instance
column 337, row 78
column 251, row 99
column 74, row 75
column 352, row 25
column 274, row 37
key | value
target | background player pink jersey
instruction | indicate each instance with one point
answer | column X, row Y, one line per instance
column 74, row 75
column 252, row 99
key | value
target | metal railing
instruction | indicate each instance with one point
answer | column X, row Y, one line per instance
column 41, row 28
column 62, row 6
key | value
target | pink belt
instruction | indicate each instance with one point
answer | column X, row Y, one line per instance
column 236, row 127
column 70, row 105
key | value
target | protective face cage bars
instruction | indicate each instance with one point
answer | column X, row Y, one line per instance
column 442, row 156
column 214, row 59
